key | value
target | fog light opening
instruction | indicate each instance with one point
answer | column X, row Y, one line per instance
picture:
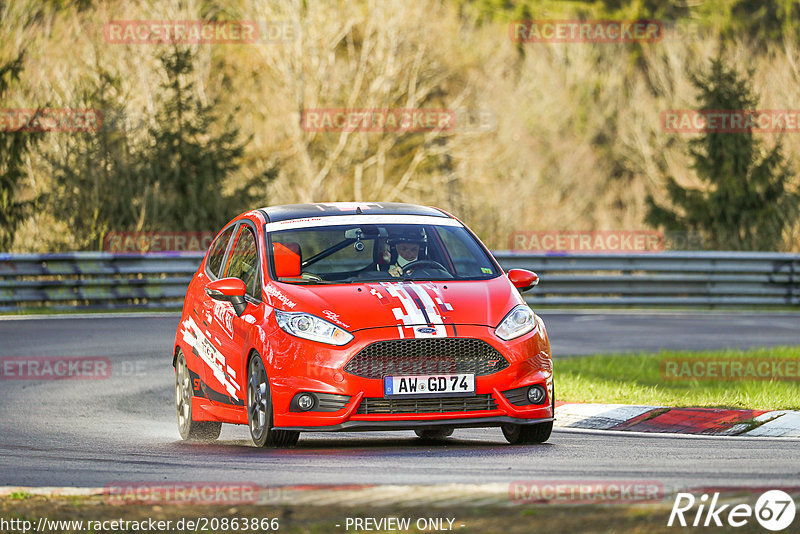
column 305, row 401
column 537, row 394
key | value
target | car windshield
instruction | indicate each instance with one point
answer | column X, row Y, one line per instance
column 352, row 253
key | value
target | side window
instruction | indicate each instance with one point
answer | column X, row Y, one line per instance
column 243, row 263
column 217, row 251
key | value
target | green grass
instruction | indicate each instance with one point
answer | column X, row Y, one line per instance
column 638, row 379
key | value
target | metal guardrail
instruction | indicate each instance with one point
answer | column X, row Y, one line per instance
column 707, row 279
column 96, row 280
column 687, row 279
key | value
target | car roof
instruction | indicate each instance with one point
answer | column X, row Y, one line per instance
column 287, row 212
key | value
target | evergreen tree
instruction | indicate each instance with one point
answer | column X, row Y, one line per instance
column 764, row 21
column 14, row 147
column 748, row 200
column 172, row 180
column 189, row 163
column 97, row 179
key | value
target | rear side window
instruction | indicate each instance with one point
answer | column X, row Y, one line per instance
column 217, row 251
column 243, row 263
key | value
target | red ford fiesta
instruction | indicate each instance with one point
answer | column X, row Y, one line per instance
column 359, row 316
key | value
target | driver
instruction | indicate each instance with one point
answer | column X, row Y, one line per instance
column 404, row 248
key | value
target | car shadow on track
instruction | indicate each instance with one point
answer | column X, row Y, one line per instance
column 348, row 446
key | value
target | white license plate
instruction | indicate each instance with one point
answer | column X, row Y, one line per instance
column 429, row 385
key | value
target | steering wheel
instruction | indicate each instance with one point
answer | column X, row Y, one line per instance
column 312, row 276
column 410, row 266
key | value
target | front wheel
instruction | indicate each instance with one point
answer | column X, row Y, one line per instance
column 189, row 429
column 527, row 434
column 259, row 409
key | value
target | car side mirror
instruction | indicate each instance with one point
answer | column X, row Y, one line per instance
column 229, row 290
column 287, row 260
column 523, row 279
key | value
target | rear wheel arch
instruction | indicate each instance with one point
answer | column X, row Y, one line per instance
column 189, row 429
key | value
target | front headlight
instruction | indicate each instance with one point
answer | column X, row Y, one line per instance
column 520, row 320
column 312, row 327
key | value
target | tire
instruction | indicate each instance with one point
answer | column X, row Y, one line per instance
column 259, row 409
column 529, row 434
column 190, row 430
column 434, row 433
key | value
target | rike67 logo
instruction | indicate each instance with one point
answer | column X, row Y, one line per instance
column 774, row 510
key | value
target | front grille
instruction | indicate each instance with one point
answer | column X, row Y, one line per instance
column 372, row 405
column 426, row 356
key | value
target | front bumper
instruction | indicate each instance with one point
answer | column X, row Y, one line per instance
column 410, row 424
column 318, row 369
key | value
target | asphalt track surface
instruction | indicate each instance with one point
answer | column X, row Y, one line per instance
column 122, row 429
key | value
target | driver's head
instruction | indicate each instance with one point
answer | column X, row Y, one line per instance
column 407, row 242
column 408, row 251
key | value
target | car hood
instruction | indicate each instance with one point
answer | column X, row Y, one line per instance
column 380, row 304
